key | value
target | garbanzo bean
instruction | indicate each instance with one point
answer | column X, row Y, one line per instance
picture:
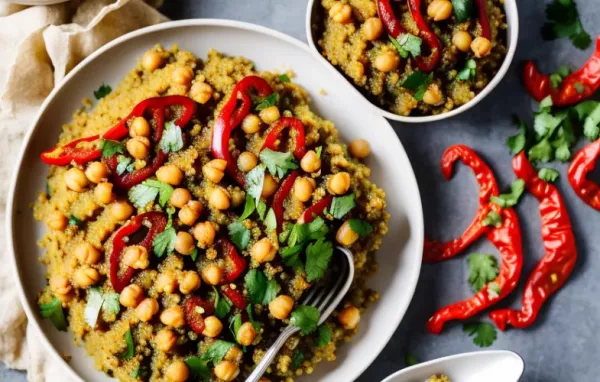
column 190, row 281
column 131, row 296
column 96, row 171
column 433, row 95
column 247, row 161
column 213, row 327
column 60, row 285
column 214, row 170
column 166, row 282
column 170, row 174
column 205, row 233
column 226, row 370
column 251, row 124
column 103, row 192
column 189, row 213
column 462, row 40
column 173, row 316
column 303, row 189
column 439, row 10
column 339, row 183
column 139, row 127
column 138, row 147
column 269, row 186
column 152, row 60
column 165, row 340
column 345, row 236
column 136, row 256
column 349, row 317
column 281, row 306
column 269, row 114
column 340, row 12
column 177, row 371
column 234, row 354
column 359, row 148
column 481, row 46
column 387, row 61
column 246, row 334
column 212, row 274
column 372, row 28
column 76, row 180
column 310, row 162
column 121, row 210
column 219, row 199
column 201, row 92
column 56, row 220
column 184, row 243
column 263, row 250
column 146, row 309
column 180, row 197
column 86, row 276
column 183, row 76
column 87, row 253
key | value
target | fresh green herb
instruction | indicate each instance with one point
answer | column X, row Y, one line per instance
column 54, row 312
column 564, row 22
column 463, row 9
column 261, row 290
column 541, row 151
column 74, row 221
column 406, row 44
column 284, row 78
column 483, row 268
column 361, row 227
column 323, row 336
column 254, row 323
column 111, row 303
column 194, row 254
column 110, row 148
column 544, row 122
column 278, row 163
column 235, row 324
column 341, row 205
column 222, row 305
column 297, row 359
column 217, row 351
column 130, row 351
column 302, row 233
column 493, row 290
column 48, row 190
column 268, row 101
column 239, row 234
column 164, row 242
column 546, row 104
column 285, row 233
column 170, row 212
column 579, row 87
column 418, row 81
column 254, row 183
column 516, row 143
column 291, row 256
column 508, row 200
column 410, row 359
column 548, row 174
column 249, row 208
column 261, row 208
column 271, row 220
column 144, row 193
column 590, row 126
column 306, row 318
column 140, row 372
column 485, row 333
column 102, row 91
column 469, row 71
column 318, row 255
column 199, row 368
column 319, row 151
column 492, row 219
column 124, row 165
column 172, row 139
column 93, row 306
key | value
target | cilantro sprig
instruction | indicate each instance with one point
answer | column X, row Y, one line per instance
column 564, row 21
column 261, row 290
column 146, row 192
column 53, row 311
column 268, row 101
column 512, row 198
column 306, row 318
column 483, row 268
column 485, row 333
column 278, row 163
column 102, row 91
column 469, row 71
column 406, row 44
column 418, row 81
column 172, row 139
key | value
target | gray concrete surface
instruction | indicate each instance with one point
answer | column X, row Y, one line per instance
column 563, row 345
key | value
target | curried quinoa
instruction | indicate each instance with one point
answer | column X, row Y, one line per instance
column 194, row 291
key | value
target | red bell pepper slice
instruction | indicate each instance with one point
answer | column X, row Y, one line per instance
column 293, row 124
column 69, row 152
column 280, row 195
column 426, row 64
column 128, row 180
column 231, row 116
column 315, row 210
column 486, row 31
column 237, row 263
column 584, row 163
column 156, row 223
column 236, row 297
column 193, row 309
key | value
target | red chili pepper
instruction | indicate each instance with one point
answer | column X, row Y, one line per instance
column 193, row 309
column 486, row 31
column 437, row 251
column 287, row 123
column 231, row 116
column 128, row 180
column 237, row 262
column 507, row 239
column 426, row 64
column 388, row 18
column 280, row 195
column 552, row 271
column 69, row 152
column 536, row 84
column 236, row 297
column 315, row 210
column 155, row 222
column 584, row 163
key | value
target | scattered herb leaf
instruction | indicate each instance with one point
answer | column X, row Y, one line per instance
column 341, row 205
column 508, row 200
column 54, row 312
column 261, row 290
column 318, row 255
column 172, row 139
column 492, row 219
column 278, row 163
column 361, row 227
column 284, row 78
column 268, row 101
column 483, row 268
column 306, row 318
column 469, row 71
column 485, row 333
column 164, row 242
column 548, row 174
column 102, row 91
column 110, row 148
column 323, row 336
column 130, row 351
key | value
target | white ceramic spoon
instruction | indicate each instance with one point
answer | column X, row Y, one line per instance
column 488, row 366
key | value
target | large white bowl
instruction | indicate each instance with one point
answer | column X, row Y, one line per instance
column 512, row 19
column 399, row 257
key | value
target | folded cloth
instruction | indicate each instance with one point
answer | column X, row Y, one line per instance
column 39, row 46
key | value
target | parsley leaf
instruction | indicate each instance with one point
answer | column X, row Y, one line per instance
column 516, row 143
column 92, row 307
column 297, row 359
column 124, row 165
column 483, row 268
column 144, row 193
column 492, row 218
column 254, row 182
column 172, row 139
column 463, row 9
column 235, row 323
column 217, row 351
column 361, row 227
column 318, row 255
column 111, row 303
column 291, row 256
column 271, row 220
column 199, row 368
column 261, row 208
column 485, row 333
column 278, row 163
column 469, row 71
column 548, row 174
column 261, row 290
column 406, row 44
column 564, row 22
column 249, row 208
column 222, row 305
column 239, row 234
column 284, row 78
column 130, row 351
column 54, row 312
column 341, row 205
column 164, row 242
column 74, row 221
column 418, row 81
column 102, row 91
column 323, row 336
column 541, row 151
column 508, row 200
column 110, row 148
column 254, row 323
column 268, row 101
column 306, row 318
column 590, row 126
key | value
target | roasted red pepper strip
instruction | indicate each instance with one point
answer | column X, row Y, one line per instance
column 237, row 263
column 287, row 123
column 426, row 64
column 388, row 18
column 507, row 239
column 236, row 297
column 315, row 210
column 156, row 223
column 69, row 152
column 128, row 180
column 584, row 163
column 280, row 195
column 231, row 116
column 552, row 271
column 193, row 309
column 536, row 84
column 486, row 31
column 437, row 251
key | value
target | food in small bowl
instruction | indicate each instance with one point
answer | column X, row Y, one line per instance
column 411, row 58
column 188, row 213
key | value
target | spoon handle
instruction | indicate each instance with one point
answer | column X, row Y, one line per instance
column 271, row 353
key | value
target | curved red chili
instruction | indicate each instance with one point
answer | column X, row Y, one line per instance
column 553, row 270
column 315, row 210
column 236, row 297
column 128, row 180
column 280, row 195
column 426, row 64
column 283, row 123
column 237, row 263
column 482, row 16
column 155, row 222
column 536, row 84
column 193, row 309
column 437, row 251
column 388, row 18
column 584, row 163
column 69, row 152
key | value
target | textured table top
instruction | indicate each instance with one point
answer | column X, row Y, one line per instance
column 563, row 345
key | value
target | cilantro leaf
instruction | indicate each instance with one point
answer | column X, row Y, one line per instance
column 541, row 151
column 261, row 208
column 469, row 71
column 406, row 44
column 111, row 303
column 74, row 221
column 341, row 205
column 144, row 193
column 548, row 174
column 217, row 351
column 268, row 101
column 485, row 333
column 261, row 290
column 102, row 91
column 492, row 219
column 130, row 351
column 415, row 80
column 249, row 208
column 319, row 151
column 483, row 268
column 110, row 148
column 254, row 182
column 318, row 255
column 361, row 227
column 53, row 310
column 278, row 163
column 124, row 165
column 199, row 368
column 164, row 242
column 271, row 220
column 564, row 22
column 590, row 126
column 323, row 336
column 291, row 256
column 516, row 143
column 92, row 307
column 306, row 318
column 222, row 305
column 297, row 359
column 284, row 78
column 254, row 323
column 463, row 9
column 508, row 200
column 235, row 323
column 239, row 234
column 172, row 139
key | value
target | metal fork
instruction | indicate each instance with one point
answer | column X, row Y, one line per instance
column 325, row 296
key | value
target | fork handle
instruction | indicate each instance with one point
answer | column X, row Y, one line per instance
column 270, row 354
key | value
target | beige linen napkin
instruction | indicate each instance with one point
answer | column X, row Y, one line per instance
column 39, row 45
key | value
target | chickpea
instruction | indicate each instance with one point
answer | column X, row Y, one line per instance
column 219, row 199
column 138, row 147
column 166, row 282
column 462, row 40
column 184, row 243
column 263, row 250
column 152, row 60
column 183, row 76
column 170, row 174
column 433, row 95
column 214, row 170
column 387, row 61
column 247, row 161
column 190, row 281
column 131, row 296
column 103, row 192
column 226, row 370
column 205, row 233
column 269, row 186
column 139, row 128
column 86, row 276
column 439, row 10
column 96, row 171
column 281, row 306
column 201, row 92
column 359, row 148
column 60, row 285
column 339, row 183
column 212, row 274
column 213, row 327
column 349, row 317
column 246, row 334
column 165, row 340
column 136, row 256
column 146, row 309
column 310, row 162
column 177, row 372
column 56, row 220
column 270, row 114
column 372, row 28
column 87, row 253
column 303, row 189
column 340, row 12
column 234, row 354
column 189, row 213
column 251, row 124
column 345, row 236
column 180, row 197
column 481, row 46
column 173, row 316
column 76, row 180
column 121, row 210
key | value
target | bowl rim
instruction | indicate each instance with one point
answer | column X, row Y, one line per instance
column 33, row 318
column 510, row 7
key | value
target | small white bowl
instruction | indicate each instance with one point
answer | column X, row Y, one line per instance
column 512, row 19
